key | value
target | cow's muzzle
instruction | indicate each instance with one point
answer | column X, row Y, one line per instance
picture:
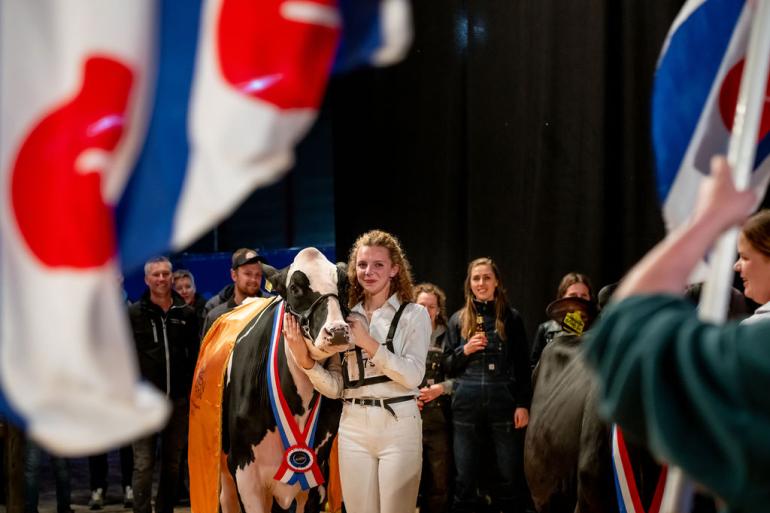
column 338, row 335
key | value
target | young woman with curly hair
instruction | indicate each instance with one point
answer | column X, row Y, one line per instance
column 380, row 434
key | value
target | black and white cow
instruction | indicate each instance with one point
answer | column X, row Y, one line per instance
column 315, row 290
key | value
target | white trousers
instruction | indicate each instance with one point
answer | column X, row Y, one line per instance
column 380, row 458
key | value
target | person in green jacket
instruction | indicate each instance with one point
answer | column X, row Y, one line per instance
column 695, row 393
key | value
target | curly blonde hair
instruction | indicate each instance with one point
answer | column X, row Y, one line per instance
column 400, row 284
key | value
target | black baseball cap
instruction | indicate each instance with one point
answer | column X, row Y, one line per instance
column 246, row 256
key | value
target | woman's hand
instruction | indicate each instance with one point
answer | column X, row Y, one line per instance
column 718, row 199
column 427, row 394
column 357, row 327
column 666, row 268
column 360, row 335
column 476, row 343
column 520, row 418
column 296, row 341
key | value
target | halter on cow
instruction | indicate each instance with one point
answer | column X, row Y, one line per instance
column 260, row 374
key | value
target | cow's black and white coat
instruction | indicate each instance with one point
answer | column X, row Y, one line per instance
column 250, row 439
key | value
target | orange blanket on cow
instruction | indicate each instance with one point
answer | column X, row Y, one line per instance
column 205, row 436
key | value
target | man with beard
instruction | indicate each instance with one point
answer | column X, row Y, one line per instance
column 246, row 273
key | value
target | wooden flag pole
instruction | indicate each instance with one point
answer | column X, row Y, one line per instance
column 677, row 497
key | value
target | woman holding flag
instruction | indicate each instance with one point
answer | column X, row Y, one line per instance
column 693, row 391
column 380, row 435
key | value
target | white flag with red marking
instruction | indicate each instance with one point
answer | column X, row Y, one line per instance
column 261, row 72
column 237, row 83
column 73, row 93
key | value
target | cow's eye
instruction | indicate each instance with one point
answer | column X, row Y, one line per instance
column 295, row 291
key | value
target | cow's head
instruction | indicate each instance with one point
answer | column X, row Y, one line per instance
column 316, row 292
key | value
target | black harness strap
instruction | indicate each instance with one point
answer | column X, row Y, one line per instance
column 303, row 318
column 393, row 326
column 361, row 381
column 382, row 403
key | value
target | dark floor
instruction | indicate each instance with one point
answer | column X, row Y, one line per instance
column 81, row 493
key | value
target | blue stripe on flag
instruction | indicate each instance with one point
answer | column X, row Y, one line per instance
column 763, row 150
column 683, row 81
column 8, row 413
column 361, row 34
column 146, row 211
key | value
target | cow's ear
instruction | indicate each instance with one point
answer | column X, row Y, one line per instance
column 275, row 280
column 343, row 285
column 342, row 275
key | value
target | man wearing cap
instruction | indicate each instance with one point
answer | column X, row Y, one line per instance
column 246, row 273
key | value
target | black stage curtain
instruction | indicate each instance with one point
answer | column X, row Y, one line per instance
column 515, row 129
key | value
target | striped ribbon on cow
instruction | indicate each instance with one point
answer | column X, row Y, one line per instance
column 629, row 500
column 299, row 464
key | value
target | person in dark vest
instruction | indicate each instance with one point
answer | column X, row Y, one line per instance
column 433, row 402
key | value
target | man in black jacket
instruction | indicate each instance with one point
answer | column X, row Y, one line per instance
column 166, row 334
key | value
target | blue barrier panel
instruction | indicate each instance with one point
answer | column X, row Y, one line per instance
column 212, row 270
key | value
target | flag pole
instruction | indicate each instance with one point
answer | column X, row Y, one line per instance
column 677, row 496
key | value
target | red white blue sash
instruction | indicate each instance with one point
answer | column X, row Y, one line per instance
column 629, row 500
column 299, row 464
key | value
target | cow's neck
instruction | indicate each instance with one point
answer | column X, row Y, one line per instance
column 301, row 381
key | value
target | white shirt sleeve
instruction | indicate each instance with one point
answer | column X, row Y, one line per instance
column 328, row 381
column 408, row 367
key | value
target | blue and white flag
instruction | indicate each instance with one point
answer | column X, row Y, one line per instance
column 129, row 128
column 695, row 93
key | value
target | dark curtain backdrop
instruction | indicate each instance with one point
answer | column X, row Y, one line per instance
column 515, row 129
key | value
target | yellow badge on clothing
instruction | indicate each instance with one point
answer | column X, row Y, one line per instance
column 574, row 322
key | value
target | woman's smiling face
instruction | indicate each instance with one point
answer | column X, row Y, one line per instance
column 754, row 268
column 374, row 269
column 483, row 282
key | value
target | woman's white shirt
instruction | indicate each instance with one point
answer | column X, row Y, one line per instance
column 405, row 366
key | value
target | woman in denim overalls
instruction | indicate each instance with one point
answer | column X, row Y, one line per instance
column 486, row 351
